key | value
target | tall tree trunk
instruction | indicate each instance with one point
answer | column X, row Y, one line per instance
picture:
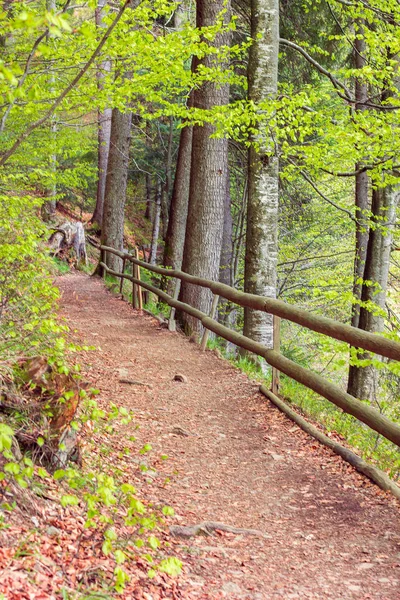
column 175, row 238
column 156, row 224
column 225, row 266
column 50, row 205
column 103, row 127
column 115, row 191
column 148, row 212
column 362, row 202
column 202, row 250
column 149, row 203
column 362, row 380
column 263, row 171
column 226, row 310
column 168, row 171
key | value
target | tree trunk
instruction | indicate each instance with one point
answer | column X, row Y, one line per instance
column 175, row 238
column 148, row 213
column 115, row 191
column 156, row 224
column 103, row 128
column 168, row 175
column 362, row 380
column 226, row 310
column 361, row 187
column 202, row 250
column 50, row 205
column 263, row 171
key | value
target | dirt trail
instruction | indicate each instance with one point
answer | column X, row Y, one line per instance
column 329, row 533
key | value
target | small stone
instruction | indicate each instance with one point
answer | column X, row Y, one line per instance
column 181, row 378
column 354, row 588
column 53, row 531
column 35, row 521
column 231, row 588
column 276, row 456
column 181, row 431
column 365, row 566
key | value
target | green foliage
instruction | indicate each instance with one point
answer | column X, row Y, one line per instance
column 105, row 501
column 28, row 300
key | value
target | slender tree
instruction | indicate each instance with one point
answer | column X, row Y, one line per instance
column 363, row 379
column 175, row 238
column 50, row 205
column 262, row 207
column 116, row 182
column 103, row 126
column 208, row 177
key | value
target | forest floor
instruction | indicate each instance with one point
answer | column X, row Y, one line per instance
column 328, row 533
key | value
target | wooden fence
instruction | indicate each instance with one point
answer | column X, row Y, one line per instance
column 355, row 337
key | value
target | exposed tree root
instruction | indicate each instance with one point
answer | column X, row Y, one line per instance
column 208, row 527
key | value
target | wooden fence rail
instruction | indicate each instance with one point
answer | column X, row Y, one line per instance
column 364, row 412
column 339, row 331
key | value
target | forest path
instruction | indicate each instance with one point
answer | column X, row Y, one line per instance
column 329, row 533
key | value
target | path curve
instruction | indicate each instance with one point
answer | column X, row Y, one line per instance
column 328, row 532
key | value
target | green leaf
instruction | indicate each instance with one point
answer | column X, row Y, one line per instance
column 171, row 566
column 168, row 511
column 69, row 500
column 12, row 467
column 153, row 542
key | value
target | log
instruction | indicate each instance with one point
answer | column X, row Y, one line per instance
column 364, row 412
column 69, row 236
column 339, row 331
column 373, row 473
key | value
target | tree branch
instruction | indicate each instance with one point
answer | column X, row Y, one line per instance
column 336, row 83
column 321, row 194
column 67, row 90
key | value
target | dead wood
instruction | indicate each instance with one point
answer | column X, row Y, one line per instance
column 373, row 473
column 70, row 235
column 209, row 527
column 134, row 382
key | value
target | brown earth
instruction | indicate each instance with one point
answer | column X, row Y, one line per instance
column 234, row 458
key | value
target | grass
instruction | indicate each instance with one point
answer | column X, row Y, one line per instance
column 60, row 266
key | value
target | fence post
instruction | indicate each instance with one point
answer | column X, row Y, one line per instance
column 134, row 299
column 212, row 315
column 122, row 279
column 171, row 320
column 275, row 383
column 103, row 260
column 139, row 288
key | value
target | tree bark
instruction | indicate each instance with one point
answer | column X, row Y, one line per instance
column 226, row 311
column 175, row 238
column 202, row 249
column 103, row 128
column 362, row 380
column 156, row 224
column 50, row 205
column 263, row 170
column 116, row 181
column 148, row 212
column 168, row 175
column 362, row 202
